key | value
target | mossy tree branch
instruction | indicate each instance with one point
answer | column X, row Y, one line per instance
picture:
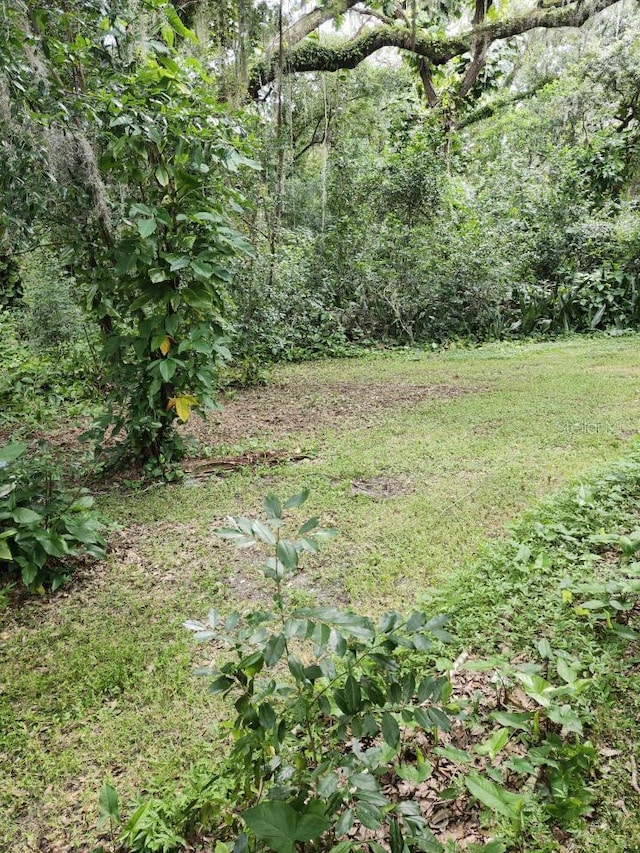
column 308, row 55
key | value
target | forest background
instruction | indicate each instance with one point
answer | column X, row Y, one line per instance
column 175, row 193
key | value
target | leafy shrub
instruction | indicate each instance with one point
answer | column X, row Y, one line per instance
column 281, row 314
column 52, row 316
column 35, row 385
column 44, row 526
column 10, row 282
column 331, row 707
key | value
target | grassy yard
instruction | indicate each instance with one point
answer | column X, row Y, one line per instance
column 416, row 458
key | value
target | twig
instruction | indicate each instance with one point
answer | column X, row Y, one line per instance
column 634, row 773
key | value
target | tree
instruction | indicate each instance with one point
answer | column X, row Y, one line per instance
column 420, row 29
column 133, row 161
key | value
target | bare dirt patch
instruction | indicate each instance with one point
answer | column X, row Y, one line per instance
column 289, row 407
column 617, row 370
column 381, row 488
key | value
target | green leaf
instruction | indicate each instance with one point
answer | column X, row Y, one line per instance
column 267, row 716
column 390, row 729
column 328, row 784
column 519, row 720
column 536, row 687
column 24, row 515
column 264, row 533
column 176, row 24
column 296, row 668
column 177, row 262
column 311, row 826
column 326, row 534
column 29, row 573
column 350, row 623
column 343, row 847
column 310, row 524
column 221, row 684
column 272, row 506
column 352, row 695
column 274, row 649
column 146, row 227
column 201, row 270
column 11, row 452
column 368, row 815
column 5, row 551
column 206, row 216
column 168, row 368
column 157, row 274
column 566, row 717
column 544, row 649
column 344, row 822
column 415, row 774
column 108, row 806
column 624, row 631
column 162, row 176
column 439, row 718
column 82, row 503
column 54, row 545
column 239, row 539
column 495, row 797
column 494, row 744
column 273, row 822
column 396, row 841
column 458, row 756
column 287, row 555
column 567, row 673
column 296, row 500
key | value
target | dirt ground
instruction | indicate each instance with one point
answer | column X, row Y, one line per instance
column 286, row 408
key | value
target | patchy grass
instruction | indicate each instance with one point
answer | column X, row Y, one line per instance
column 420, row 459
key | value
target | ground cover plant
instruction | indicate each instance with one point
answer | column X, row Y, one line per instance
column 97, row 682
column 46, row 525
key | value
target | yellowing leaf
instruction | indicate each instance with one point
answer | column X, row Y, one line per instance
column 165, row 346
column 183, row 409
column 171, row 403
column 183, row 406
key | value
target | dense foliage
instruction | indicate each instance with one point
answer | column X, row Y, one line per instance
column 156, row 222
column 45, row 526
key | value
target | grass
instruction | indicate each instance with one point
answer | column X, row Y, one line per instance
column 96, row 682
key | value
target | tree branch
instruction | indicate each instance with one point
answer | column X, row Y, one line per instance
column 494, row 106
column 372, row 13
column 424, row 70
column 310, row 22
column 316, row 56
column 475, row 67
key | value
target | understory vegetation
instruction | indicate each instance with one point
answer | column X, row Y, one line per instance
column 372, row 724
column 414, row 489
column 206, row 206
